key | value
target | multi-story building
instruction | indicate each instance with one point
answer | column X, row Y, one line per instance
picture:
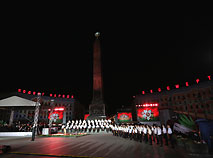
column 68, row 104
column 72, row 109
column 195, row 100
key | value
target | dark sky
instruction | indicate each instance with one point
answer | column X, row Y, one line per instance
column 138, row 53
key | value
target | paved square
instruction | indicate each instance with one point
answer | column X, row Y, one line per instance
column 99, row 145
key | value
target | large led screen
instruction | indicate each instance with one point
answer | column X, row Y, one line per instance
column 125, row 117
column 148, row 113
column 57, row 115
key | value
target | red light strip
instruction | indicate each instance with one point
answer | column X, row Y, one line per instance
column 177, row 85
column 51, row 95
column 148, row 105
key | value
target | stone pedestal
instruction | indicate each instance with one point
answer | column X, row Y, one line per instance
column 97, row 111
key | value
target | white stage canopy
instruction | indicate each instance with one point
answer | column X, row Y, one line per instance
column 15, row 101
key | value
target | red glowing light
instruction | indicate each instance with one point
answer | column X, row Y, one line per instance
column 187, row 84
column 177, row 86
column 55, row 95
column 168, row 88
column 43, row 94
column 34, row 93
column 72, row 97
column 143, row 92
column 209, row 77
column 24, row 91
column 68, row 96
column 197, row 80
column 29, row 92
column 63, row 96
column 59, row 95
column 151, row 91
column 51, row 95
column 19, row 90
column 159, row 89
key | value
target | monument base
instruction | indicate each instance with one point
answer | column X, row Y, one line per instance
column 97, row 111
column 96, row 117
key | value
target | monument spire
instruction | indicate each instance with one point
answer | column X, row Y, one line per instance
column 97, row 73
column 97, row 108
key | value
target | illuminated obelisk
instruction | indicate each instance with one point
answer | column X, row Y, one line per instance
column 97, row 107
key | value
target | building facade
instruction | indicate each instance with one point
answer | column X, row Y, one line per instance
column 26, row 114
column 195, row 100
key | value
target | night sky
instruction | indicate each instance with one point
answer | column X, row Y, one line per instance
column 138, row 53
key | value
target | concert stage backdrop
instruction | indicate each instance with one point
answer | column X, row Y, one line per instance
column 124, row 116
column 148, row 112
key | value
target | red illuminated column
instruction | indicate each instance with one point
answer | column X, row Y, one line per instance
column 187, row 84
column 177, row 86
column 209, row 77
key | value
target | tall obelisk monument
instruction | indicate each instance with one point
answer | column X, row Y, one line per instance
column 97, row 107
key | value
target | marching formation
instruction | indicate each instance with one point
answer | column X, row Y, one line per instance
column 145, row 133
column 87, row 126
column 141, row 133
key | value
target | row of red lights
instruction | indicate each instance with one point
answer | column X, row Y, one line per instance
column 147, row 105
column 51, row 95
column 176, row 86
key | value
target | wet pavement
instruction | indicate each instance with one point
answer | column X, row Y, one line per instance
column 100, row 145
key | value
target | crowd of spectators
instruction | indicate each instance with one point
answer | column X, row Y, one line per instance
column 15, row 127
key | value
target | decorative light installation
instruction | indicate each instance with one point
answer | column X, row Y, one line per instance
column 42, row 94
